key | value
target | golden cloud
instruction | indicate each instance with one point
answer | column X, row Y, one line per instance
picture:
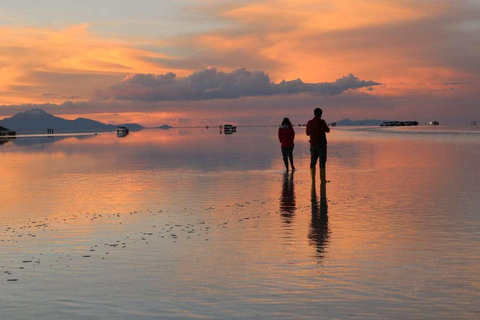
column 412, row 46
column 36, row 62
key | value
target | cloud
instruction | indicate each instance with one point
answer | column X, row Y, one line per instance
column 389, row 41
column 56, row 95
column 212, row 84
column 182, row 120
column 417, row 49
column 72, row 61
column 261, row 110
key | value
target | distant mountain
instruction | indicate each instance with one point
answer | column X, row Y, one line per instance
column 37, row 120
column 165, row 127
column 367, row 122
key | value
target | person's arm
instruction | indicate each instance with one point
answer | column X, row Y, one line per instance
column 327, row 129
column 280, row 134
column 293, row 133
column 308, row 128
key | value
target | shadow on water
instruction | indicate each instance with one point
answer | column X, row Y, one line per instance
column 287, row 199
column 319, row 232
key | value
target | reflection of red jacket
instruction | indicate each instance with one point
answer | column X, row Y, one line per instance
column 286, row 135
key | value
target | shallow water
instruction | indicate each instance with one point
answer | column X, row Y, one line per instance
column 190, row 223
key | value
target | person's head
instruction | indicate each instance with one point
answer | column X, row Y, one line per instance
column 286, row 121
column 317, row 112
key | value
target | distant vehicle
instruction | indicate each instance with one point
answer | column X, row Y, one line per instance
column 122, row 130
column 229, row 127
column 398, row 123
column 6, row 132
column 434, row 123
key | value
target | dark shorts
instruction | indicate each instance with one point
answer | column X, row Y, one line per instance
column 318, row 152
column 287, row 151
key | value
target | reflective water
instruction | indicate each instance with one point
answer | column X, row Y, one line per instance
column 190, row 223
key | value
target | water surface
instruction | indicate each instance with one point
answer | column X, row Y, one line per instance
column 191, row 223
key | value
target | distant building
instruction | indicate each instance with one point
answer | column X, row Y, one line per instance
column 474, row 123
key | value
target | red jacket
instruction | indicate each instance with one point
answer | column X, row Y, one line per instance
column 286, row 135
column 316, row 129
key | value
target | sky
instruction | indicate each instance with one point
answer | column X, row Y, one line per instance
column 190, row 62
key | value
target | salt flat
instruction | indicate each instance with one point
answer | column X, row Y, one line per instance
column 190, row 223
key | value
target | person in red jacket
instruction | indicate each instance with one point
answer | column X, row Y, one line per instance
column 286, row 135
column 317, row 129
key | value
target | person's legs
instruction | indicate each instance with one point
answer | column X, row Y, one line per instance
column 323, row 161
column 285, row 156
column 290, row 156
column 313, row 156
column 322, row 154
column 313, row 161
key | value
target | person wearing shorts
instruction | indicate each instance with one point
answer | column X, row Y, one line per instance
column 317, row 129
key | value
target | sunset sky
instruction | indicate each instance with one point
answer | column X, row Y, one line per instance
column 206, row 62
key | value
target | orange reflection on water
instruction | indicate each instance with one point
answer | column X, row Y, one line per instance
column 375, row 182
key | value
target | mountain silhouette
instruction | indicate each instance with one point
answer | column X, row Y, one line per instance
column 37, row 120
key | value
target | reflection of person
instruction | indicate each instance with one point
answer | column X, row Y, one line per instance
column 319, row 233
column 287, row 200
column 286, row 135
column 317, row 129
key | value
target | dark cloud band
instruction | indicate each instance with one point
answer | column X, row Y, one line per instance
column 212, row 84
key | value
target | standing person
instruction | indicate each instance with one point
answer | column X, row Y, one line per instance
column 286, row 135
column 317, row 129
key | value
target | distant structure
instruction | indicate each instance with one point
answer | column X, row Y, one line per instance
column 474, row 123
column 333, row 124
column 434, row 123
column 398, row 123
column 122, row 132
column 122, row 129
column 228, row 129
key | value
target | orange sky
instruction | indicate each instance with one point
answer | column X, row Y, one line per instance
column 416, row 49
